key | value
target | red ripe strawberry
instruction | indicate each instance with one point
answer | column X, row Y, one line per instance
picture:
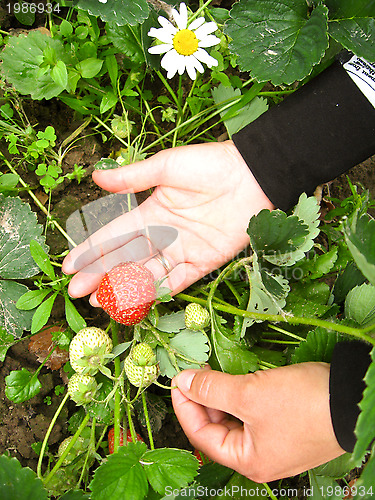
column 111, row 439
column 127, row 293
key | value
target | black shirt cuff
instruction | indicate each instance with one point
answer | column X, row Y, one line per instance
column 314, row 135
column 349, row 364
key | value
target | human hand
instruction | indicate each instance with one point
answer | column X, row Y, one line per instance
column 205, row 191
column 265, row 425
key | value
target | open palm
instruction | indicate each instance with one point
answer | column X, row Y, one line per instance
column 206, row 192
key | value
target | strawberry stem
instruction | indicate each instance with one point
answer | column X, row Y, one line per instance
column 117, row 410
column 49, row 430
column 68, row 448
column 148, row 424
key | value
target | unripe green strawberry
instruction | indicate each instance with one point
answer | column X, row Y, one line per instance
column 74, row 451
column 89, row 350
column 127, row 292
column 140, row 376
column 82, row 388
column 196, row 317
column 142, row 354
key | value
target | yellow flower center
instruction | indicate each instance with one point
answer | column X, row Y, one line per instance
column 185, row 42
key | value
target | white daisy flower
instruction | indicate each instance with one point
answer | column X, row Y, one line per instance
column 182, row 46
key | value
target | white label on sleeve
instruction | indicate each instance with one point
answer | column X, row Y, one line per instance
column 363, row 75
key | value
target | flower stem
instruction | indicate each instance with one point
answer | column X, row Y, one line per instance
column 198, row 12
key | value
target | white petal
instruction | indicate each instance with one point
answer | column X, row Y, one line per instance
column 171, row 72
column 181, row 65
column 202, row 55
column 160, row 49
column 161, row 34
column 196, row 23
column 209, row 41
column 165, row 23
column 198, row 64
column 205, row 30
column 182, row 17
column 190, row 67
column 170, row 60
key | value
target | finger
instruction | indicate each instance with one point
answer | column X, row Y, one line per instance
column 132, row 178
column 217, row 390
column 113, row 235
column 220, row 441
column 87, row 280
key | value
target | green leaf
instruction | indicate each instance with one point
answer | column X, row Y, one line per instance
column 31, row 299
column 318, row 346
column 232, row 355
column 347, row 280
column 75, row 495
column 90, row 67
column 21, row 385
column 42, row 314
column 319, row 265
column 41, row 258
column 169, row 467
column 65, row 28
column 274, row 235
column 267, row 294
column 277, row 40
column 172, row 323
column 108, row 101
column 352, row 23
column 19, row 483
column 12, row 319
column 18, row 227
column 120, row 12
column 112, row 68
column 360, row 238
column 192, row 345
column 360, row 304
column 237, row 485
column 126, row 40
column 245, row 115
column 6, row 341
column 320, row 485
column 74, row 319
column 59, row 74
column 121, row 477
column 22, row 59
column 366, row 433
column 336, row 468
column 366, row 482
column 25, row 15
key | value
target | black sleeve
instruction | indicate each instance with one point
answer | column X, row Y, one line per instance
column 315, row 134
column 349, row 364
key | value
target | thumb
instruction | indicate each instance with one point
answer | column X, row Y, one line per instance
column 213, row 389
column 133, row 178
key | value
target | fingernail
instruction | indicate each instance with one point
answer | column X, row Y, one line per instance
column 184, row 380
